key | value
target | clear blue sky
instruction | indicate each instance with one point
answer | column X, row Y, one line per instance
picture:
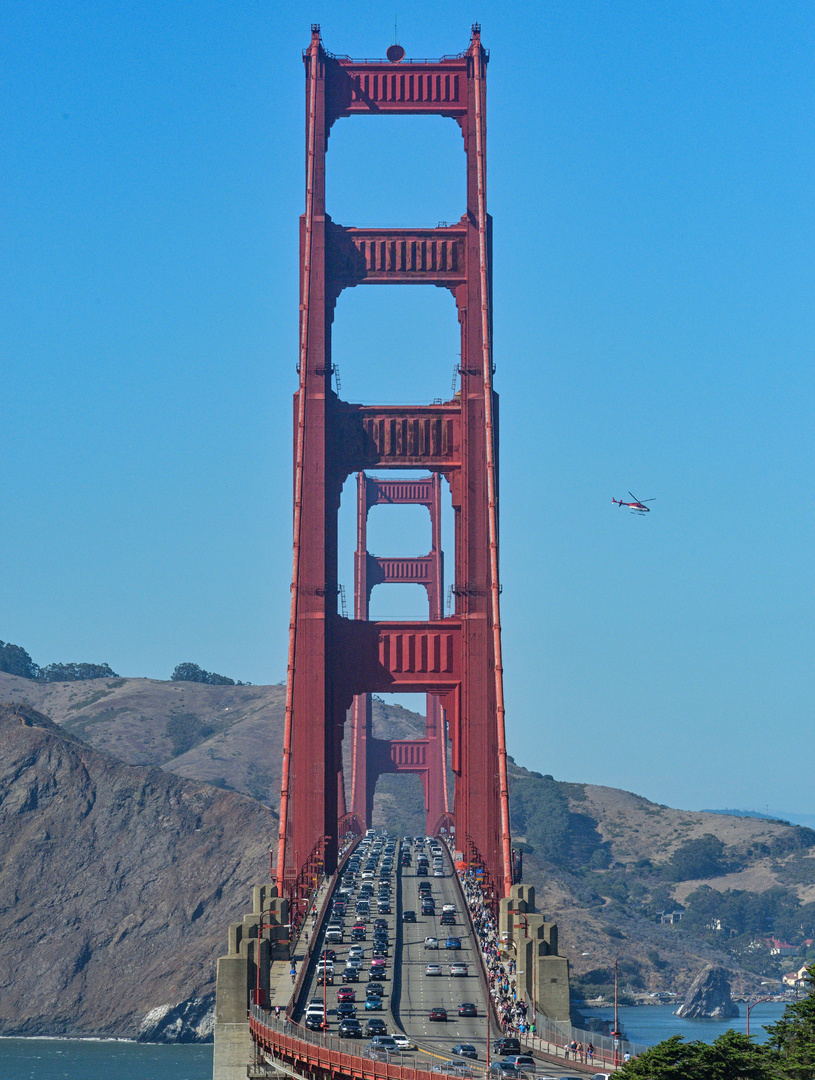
column 651, row 181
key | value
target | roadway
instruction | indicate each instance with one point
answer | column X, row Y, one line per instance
column 410, row 993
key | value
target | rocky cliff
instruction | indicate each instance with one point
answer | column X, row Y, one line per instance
column 709, row 997
column 118, row 885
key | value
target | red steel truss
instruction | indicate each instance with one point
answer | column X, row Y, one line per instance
column 371, row 757
column 331, row 659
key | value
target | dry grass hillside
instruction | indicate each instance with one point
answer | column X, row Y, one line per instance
column 605, row 861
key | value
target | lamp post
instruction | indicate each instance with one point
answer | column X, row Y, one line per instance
column 758, row 1001
column 261, row 927
column 616, row 1032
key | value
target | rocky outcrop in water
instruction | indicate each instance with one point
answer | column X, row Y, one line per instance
column 709, row 996
column 117, row 886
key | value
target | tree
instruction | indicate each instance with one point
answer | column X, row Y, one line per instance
column 700, row 858
column 188, row 673
column 193, row 673
column 75, row 672
column 14, row 660
column 793, row 1037
column 731, row 1057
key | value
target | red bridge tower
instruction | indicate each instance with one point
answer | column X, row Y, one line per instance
column 332, row 659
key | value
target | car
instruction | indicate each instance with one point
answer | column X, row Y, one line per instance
column 328, row 954
column 316, row 1022
column 425, row 886
column 421, row 871
column 350, row 1028
column 375, row 1026
column 465, row 1050
column 438, row 872
column 454, row 1068
column 523, row 1061
column 507, row 1044
column 428, row 909
column 447, row 919
column 431, row 943
column 373, row 1002
column 453, row 943
column 350, row 974
column 403, row 1041
column 354, row 961
column 346, row 993
column 385, row 1042
column 375, row 988
column 346, row 1008
column 326, row 975
column 408, row 916
column 384, row 907
column 505, row 1070
column 468, row 1008
column 356, row 951
column 334, row 935
column 438, row 1014
column 459, row 969
column 379, row 952
column 380, row 922
column 358, row 934
column 449, row 907
column 433, row 969
column 601, row 1076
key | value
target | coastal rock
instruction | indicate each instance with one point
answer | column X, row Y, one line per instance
column 709, row 996
column 192, row 1020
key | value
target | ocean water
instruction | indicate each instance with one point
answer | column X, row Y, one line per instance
column 101, row 1059
column 650, row 1024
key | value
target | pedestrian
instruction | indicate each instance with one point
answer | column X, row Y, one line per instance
column 277, row 1012
column 589, row 1053
column 566, row 1051
column 626, row 1056
column 293, row 973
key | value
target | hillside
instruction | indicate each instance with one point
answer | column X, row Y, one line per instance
column 118, row 885
column 605, row 862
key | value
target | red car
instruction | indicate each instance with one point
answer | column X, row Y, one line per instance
column 346, row 993
column 438, row 1014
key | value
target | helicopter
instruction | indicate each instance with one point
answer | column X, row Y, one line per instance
column 637, row 506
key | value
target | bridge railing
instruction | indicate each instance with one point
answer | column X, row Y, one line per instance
column 312, row 1049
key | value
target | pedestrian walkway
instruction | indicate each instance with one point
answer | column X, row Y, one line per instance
column 280, row 981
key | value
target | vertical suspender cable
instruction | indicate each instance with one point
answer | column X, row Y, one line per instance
column 506, row 853
column 285, row 779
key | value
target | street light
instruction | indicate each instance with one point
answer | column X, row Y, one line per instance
column 616, row 1032
column 758, row 1001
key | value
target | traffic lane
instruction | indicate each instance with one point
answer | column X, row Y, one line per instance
column 420, row 992
column 316, row 989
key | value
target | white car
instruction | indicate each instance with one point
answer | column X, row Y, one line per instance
column 403, row 1042
column 356, row 950
column 431, row 943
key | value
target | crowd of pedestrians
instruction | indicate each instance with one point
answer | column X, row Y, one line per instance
column 511, row 1011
